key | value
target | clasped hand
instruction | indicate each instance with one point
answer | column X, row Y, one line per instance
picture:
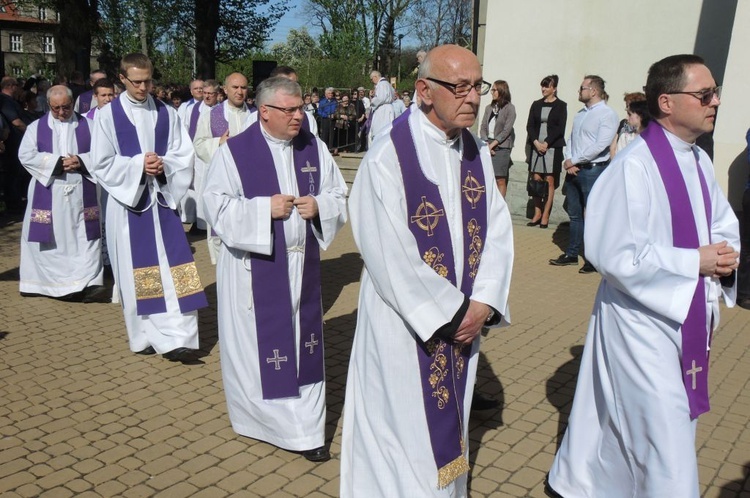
column 71, row 163
column 153, row 164
column 282, row 205
column 718, row 260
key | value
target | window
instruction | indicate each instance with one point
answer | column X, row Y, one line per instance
column 16, row 43
column 42, row 14
column 48, row 44
column 17, row 71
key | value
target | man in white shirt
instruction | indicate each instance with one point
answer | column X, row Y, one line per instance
column 594, row 128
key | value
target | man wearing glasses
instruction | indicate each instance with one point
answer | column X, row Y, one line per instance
column 143, row 157
column 275, row 197
column 61, row 237
column 594, row 128
column 436, row 239
column 664, row 238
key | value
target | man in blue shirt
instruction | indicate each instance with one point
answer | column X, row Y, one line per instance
column 594, row 128
column 326, row 110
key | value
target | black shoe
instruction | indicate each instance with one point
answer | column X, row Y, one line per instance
column 587, row 268
column 564, row 260
column 317, row 455
column 481, row 402
column 184, row 355
column 549, row 491
column 194, row 230
column 148, row 351
column 96, row 294
column 544, row 225
column 534, row 223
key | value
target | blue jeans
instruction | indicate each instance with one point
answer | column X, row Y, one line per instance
column 577, row 193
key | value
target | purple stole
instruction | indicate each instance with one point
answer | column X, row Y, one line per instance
column 274, row 318
column 442, row 364
column 194, row 115
column 40, row 226
column 306, row 122
column 84, row 101
column 695, row 335
column 149, row 288
column 91, row 113
column 219, row 125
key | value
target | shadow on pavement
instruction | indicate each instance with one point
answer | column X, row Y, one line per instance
column 735, row 489
column 335, row 274
column 339, row 334
column 561, row 387
column 11, row 275
column 208, row 327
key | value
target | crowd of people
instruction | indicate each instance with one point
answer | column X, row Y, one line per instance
column 115, row 171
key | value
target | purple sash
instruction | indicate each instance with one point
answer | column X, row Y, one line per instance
column 306, row 122
column 149, row 287
column 84, row 101
column 442, row 364
column 194, row 115
column 40, row 226
column 274, row 318
column 219, row 125
column 695, row 335
column 91, row 113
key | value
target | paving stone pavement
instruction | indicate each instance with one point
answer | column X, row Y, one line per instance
column 80, row 415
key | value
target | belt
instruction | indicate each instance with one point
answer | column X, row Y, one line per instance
column 591, row 165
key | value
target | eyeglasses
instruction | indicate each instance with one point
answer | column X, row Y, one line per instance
column 59, row 108
column 138, row 83
column 705, row 96
column 289, row 111
column 210, row 93
column 580, row 89
column 464, row 89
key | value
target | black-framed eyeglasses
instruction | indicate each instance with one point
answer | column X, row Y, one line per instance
column 705, row 96
column 138, row 83
column 464, row 89
column 582, row 88
column 289, row 111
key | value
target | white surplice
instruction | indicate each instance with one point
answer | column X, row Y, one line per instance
column 121, row 177
column 629, row 432
column 70, row 263
column 191, row 208
column 244, row 225
column 206, row 145
column 381, row 108
column 385, row 448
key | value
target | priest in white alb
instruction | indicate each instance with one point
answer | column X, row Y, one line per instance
column 381, row 108
column 437, row 242
column 143, row 157
column 61, row 234
column 275, row 197
column 665, row 240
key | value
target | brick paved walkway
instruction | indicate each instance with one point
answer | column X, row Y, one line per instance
column 82, row 416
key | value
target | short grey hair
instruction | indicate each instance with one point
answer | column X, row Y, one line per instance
column 375, row 73
column 278, row 84
column 425, row 68
column 59, row 90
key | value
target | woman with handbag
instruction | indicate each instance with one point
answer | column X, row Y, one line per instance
column 545, row 130
column 497, row 131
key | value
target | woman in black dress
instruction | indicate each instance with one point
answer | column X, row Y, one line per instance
column 544, row 147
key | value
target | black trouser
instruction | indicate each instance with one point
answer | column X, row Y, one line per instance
column 743, row 273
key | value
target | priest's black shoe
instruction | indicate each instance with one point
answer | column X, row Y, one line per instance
column 549, row 491
column 148, row 351
column 480, row 402
column 96, row 294
column 587, row 268
column 184, row 355
column 317, row 455
column 564, row 260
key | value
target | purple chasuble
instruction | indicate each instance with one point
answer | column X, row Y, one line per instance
column 149, row 287
column 274, row 319
column 194, row 115
column 442, row 364
column 40, row 226
column 219, row 125
column 695, row 335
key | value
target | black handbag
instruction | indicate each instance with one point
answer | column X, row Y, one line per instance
column 537, row 188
